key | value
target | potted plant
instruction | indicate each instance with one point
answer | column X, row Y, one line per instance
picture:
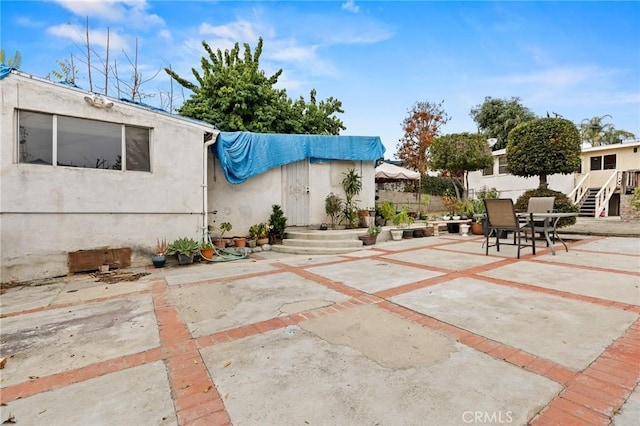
column 160, row 257
column 185, row 248
column 239, row 241
column 277, row 224
column 370, row 237
column 260, row 231
column 333, row 207
column 402, row 220
column 206, row 250
column 224, row 228
column 387, row 210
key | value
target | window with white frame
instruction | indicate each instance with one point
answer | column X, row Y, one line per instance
column 79, row 142
column 606, row 162
column 488, row 171
column 502, row 165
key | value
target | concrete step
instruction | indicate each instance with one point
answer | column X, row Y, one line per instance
column 304, row 242
column 329, row 235
column 316, row 250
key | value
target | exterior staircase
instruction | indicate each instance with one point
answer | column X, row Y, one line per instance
column 588, row 205
column 312, row 241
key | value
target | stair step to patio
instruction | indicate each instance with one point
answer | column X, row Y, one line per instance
column 305, row 242
column 316, row 250
column 313, row 241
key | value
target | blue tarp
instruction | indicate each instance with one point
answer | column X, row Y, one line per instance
column 5, row 71
column 246, row 154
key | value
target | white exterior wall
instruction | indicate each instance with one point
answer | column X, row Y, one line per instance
column 511, row 186
column 48, row 211
column 327, row 178
column 248, row 203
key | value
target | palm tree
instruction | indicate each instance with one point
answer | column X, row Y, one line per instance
column 592, row 130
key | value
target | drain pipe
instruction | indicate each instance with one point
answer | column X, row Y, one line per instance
column 205, row 186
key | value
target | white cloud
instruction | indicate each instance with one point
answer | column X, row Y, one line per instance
column 240, row 31
column 165, row 34
column 132, row 11
column 351, row 6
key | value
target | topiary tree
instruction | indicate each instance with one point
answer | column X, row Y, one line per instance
column 460, row 153
column 543, row 147
column 562, row 204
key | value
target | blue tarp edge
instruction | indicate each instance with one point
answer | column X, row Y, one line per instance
column 246, row 154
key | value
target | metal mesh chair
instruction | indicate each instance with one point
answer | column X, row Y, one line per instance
column 501, row 216
column 538, row 205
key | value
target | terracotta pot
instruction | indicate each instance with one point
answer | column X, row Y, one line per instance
column 368, row 240
column 207, row 253
column 477, row 228
column 240, row 242
column 219, row 242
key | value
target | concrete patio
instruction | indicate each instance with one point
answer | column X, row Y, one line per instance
column 425, row 331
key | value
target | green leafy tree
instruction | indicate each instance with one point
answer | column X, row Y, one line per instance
column 460, row 153
column 543, row 147
column 497, row 117
column 596, row 132
column 13, row 61
column 421, row 127
column 233, row 93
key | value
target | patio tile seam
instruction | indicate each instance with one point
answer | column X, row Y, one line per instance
column 280, row 322
column 586, row 267
column 530, row 362
column 416, row 285
column 631, row 255
column 81, row 302
column 416, row 265
column 221, row 280
column 602, row 387
column 326, row 282
column 187, row 373
column 554, row 292
column 78, row 375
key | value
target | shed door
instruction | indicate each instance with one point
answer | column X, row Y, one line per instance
column 296, row 207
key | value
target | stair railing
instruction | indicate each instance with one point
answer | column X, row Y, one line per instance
column 605, row 193
column 581, row 189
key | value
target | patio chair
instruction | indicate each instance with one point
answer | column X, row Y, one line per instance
column 538, row 205
column 501, row 216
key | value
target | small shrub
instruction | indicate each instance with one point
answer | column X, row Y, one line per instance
column 562, row 204
column 277, row 222
column 333, row 207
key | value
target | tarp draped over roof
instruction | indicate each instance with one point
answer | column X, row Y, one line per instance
column 391, row 172
column 246, row 154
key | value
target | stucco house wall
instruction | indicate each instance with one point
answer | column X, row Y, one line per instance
column 47, row 211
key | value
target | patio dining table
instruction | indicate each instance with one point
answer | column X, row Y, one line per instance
column 550, row 224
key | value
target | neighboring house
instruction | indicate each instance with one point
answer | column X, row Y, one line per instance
column 607, row 176
column 80, row 171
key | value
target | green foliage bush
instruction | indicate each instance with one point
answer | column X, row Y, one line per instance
column 277, row 222
column 562, row 204
column 438, row 186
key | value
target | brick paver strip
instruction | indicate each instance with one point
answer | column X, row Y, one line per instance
column 188, row 375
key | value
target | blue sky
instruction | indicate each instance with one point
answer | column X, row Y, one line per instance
column 577, row 59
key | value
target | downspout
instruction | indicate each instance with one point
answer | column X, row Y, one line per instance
column 209, row 139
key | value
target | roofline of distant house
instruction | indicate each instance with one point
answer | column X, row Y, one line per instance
column 625, row 144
